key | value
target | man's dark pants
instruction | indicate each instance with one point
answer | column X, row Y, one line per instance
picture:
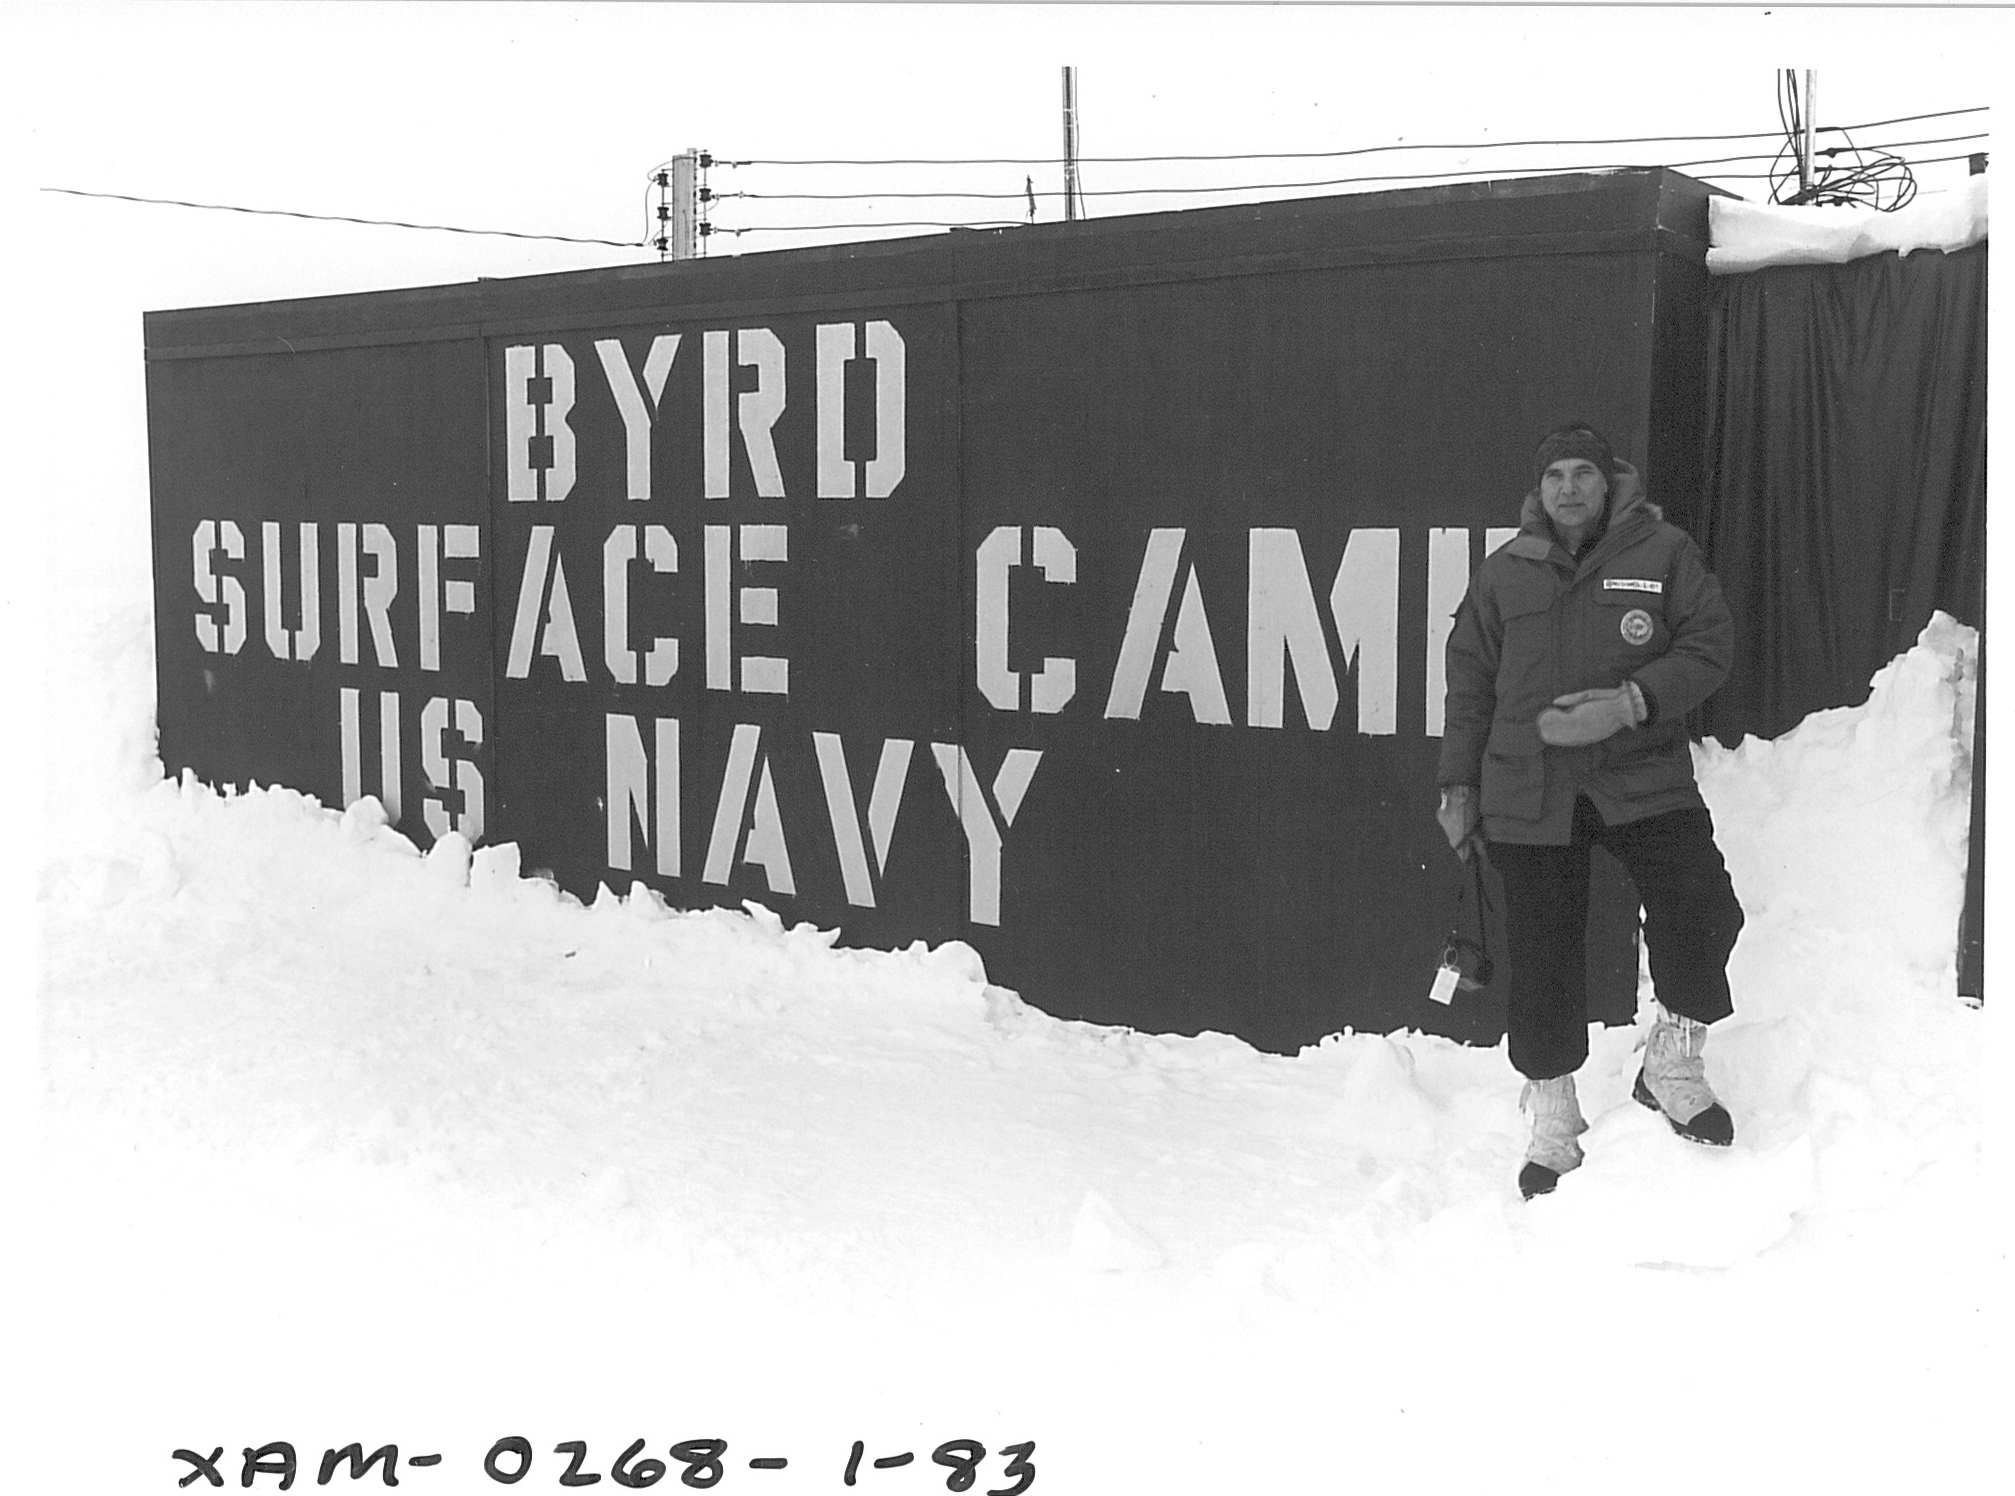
column 1691, row 919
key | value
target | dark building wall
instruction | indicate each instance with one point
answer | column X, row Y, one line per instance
column 1089, row 611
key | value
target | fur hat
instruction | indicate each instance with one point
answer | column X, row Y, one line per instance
column 1575, row 439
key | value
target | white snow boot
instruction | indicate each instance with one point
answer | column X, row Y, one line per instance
column 1556, row 1124
column 1674, row 1081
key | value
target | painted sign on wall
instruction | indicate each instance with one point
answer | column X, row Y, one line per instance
column 1101, row 628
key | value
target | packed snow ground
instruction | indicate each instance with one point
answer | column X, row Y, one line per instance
column 344, row 1138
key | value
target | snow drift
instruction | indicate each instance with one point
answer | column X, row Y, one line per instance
column 395, row 1075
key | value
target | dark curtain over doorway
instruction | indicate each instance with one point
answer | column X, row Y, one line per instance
column 1845, row 484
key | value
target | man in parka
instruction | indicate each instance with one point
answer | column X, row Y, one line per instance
column 1580, row 648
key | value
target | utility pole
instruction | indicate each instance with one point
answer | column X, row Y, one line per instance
column 1070, row 192
column 676, row 198
column 685, row 196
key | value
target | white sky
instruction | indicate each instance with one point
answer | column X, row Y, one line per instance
column 547, row 118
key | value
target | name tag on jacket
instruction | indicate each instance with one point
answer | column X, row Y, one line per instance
column 1631, row 584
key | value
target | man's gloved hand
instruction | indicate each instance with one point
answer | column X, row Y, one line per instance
column 1457, row 814
column 1583, row 717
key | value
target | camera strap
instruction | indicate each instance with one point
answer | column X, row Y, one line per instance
column 1480, row 899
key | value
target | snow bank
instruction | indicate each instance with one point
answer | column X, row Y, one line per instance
column 1749, row 236
column 1847, row 841
column 329, row 986
column 1813, row 822
column 358, row 1082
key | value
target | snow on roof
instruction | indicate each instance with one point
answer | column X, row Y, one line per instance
column 1749, row 236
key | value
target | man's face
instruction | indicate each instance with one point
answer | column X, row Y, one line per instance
column 1572, row 490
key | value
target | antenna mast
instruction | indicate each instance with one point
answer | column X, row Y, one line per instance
column 1805, row 149
column 1070, row 192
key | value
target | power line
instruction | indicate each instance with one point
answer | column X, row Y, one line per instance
column 879, row 223
column 1111, row 192
column 387, row 223
column 1483, row 145
column 1892, row 145
column 1022, row 195
column 1907, row 119
column 1872, row 173
column 1764, row 176
column 810, row 228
